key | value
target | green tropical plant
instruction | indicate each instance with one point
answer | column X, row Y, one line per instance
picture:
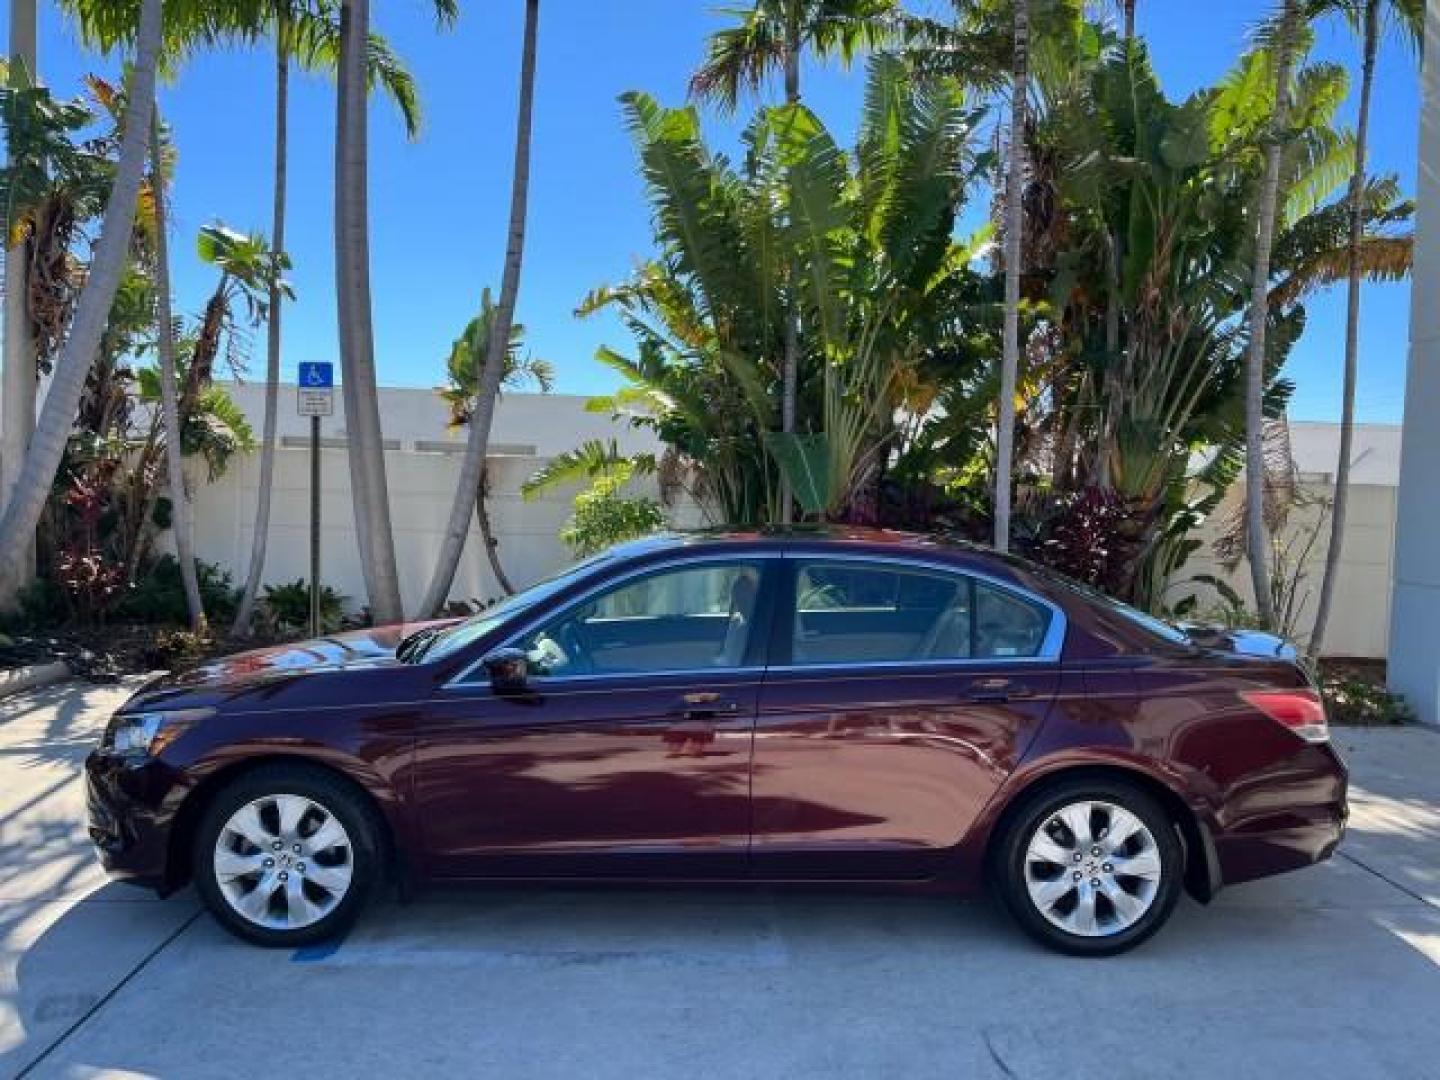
column 863, row 244
column 286, row 607
column 771, row 36
column 47, row 445
column 465, row 367
column 1140, row 278
column 604, row 515
column 158, row 596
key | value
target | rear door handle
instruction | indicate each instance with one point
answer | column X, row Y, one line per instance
column 706, row 703
column 996, row 691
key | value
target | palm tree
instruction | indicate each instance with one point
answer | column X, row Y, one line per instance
column 370, row 492
column 52, row 430
column 771, row 36
column 473, row 465
column 169, row 397
column 1283, row 50
column 1364, row 16
column 1014, row 229
column 464, row 368
column 17, row 398
column 314, row 39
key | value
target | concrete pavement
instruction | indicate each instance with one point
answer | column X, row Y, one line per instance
column 1331, row 972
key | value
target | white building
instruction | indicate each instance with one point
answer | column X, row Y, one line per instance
column 422, row 462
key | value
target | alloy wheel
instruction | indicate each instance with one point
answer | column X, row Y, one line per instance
column 1092, row 868
column 283, row 862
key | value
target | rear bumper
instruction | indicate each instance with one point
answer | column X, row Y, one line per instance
column 1290, row 822
column 128, row 819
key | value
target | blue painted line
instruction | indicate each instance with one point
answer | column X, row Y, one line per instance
column 321, row 950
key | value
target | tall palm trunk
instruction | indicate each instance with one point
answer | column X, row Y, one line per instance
column 261, row 537
column 473, row 465
column 57, row 415
column 1257, row 544
column 1371, row 46
column 1014, row 227
column 1130, row 19
column 180, row 520
column 487, row 535
column 17, row 385
column 790, row 367
column 357, row 339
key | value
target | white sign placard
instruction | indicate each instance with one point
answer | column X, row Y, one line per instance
column 315, row 402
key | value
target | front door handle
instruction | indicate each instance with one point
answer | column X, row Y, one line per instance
column 996, row 691
column 706, row 703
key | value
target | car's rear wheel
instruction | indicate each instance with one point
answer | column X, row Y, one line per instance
column 287, row 855
column 1090, row 868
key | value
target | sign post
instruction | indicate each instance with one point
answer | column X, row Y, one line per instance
column 315, row 397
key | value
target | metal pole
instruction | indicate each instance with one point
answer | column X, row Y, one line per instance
column 314, row 526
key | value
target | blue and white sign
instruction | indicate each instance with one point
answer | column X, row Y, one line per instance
column 315, row 389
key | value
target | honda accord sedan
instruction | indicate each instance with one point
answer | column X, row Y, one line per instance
column 784, row 707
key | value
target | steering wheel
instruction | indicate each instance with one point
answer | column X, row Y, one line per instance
column 572, row 641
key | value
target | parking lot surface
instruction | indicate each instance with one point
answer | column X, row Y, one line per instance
column 1330, row 972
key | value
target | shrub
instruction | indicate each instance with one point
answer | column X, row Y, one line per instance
column 176, row 649
column 603, row 516
column 159, row 596
column 1363, row 703
column 286, row 608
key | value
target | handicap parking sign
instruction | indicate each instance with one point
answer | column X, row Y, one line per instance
column 315, row 389
column 317, row 375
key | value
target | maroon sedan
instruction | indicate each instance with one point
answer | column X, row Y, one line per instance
column 837, row 706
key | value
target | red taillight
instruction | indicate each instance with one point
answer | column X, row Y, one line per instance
column 1301, row 711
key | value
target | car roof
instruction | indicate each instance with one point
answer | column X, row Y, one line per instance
column 789, row 535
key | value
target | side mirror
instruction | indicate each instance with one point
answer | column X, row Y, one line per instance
column 509, row 671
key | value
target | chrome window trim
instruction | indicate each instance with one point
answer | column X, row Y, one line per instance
column 463, row 680
column 1051, row 648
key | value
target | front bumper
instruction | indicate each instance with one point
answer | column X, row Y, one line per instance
column 129, row 818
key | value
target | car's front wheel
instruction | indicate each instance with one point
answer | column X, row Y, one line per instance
column 287, row 855
column 1090, row 868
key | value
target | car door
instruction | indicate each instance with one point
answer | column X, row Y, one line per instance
column 899, row 697
column 628, row 753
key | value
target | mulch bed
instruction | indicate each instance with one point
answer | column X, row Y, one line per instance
column 108, row 653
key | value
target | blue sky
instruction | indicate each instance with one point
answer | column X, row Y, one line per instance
column 439, row 204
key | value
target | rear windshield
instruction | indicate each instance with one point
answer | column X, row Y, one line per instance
column 1133, row 615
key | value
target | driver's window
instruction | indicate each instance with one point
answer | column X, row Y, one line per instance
column 686, row 619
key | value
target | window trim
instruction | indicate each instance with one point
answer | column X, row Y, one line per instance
column 1051, row 650
column 764, row 608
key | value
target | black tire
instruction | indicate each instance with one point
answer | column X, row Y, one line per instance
column 340, row 798
column 1008, row 866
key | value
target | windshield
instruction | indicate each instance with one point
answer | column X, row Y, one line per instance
column 452, row 639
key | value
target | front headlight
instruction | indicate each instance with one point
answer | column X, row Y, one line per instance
column 147, row 734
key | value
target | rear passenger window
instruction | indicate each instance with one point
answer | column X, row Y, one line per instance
column 1007, row 624
column 858, row 613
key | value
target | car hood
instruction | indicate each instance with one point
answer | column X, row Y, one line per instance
column 369, row 648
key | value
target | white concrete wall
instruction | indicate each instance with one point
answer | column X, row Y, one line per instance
column 423, row 463
column 1360, row 617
